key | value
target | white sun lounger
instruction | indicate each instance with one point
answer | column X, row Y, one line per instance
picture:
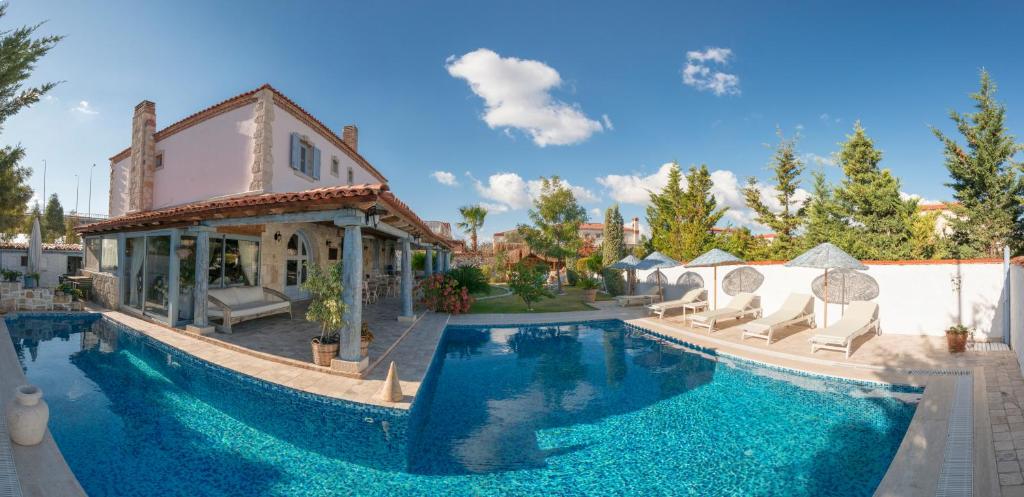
column 798, row 308
column 651, row 296
column 860, row 318
column 743, row 304
column 697, row 295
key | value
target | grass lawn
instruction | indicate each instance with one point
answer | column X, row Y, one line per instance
column 571, row 301
column 495, row 290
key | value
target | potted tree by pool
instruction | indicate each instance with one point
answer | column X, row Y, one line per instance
column 589, row 286
column 956, row 338
column 326, row 308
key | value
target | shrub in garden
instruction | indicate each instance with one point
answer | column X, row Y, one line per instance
column 441, row 293
column 471, row 278
column 528, row 283
column 613, row 282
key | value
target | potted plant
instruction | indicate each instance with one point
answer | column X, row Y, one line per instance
column 365, row 338
column 10, row 276
column 31, row 280
column 589, row 287
column 956, row 338
column 326, row 308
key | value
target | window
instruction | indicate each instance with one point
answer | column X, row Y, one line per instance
column 234, row 262
column 159, row 160
column 305, row 158
column 24, row 261
column 351, row 176
column 101, row 254
column 335, row 166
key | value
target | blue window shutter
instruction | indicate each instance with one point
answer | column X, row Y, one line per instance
column 295, row 151
column 316, row 163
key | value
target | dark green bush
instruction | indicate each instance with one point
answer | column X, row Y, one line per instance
column 571, row 276
column 613, row 281
column 472, row 278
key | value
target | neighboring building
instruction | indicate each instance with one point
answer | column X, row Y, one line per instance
column 945, row 210
column 58, row 260
column 591, row 233
column 249, row 192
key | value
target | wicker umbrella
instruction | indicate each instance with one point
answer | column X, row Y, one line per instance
column 826, row 256
column 627, row 263
column 657, row 261
column 714, row 258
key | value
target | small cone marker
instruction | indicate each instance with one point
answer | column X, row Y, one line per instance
column 392, row 390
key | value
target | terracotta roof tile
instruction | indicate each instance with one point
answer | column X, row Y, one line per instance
column 65, row 247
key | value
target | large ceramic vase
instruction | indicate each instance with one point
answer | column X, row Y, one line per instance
column 27, row 416
column 324, row 352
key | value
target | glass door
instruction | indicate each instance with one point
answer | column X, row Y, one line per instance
column 134, row 257
column 157, row 279
column 296, row 262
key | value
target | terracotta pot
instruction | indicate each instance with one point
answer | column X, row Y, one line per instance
column 364, row 348
column 957, row 342
column 27, row 416
column 324, row 352
column 590, row 295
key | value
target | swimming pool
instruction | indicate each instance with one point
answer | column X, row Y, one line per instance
column 573, row 409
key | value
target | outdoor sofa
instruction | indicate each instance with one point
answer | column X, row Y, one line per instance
column 860, row 318
column 689, row 299
column 743, row 304
column 241, row 303
column 798, row 308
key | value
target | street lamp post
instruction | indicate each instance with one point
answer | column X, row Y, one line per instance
column 90, row 189
column 76, row 194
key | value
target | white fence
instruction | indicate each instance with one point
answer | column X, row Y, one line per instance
column 914, row 298
column 1017, row 310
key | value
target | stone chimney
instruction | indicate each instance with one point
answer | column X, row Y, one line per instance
column 636, row 229
column 350, row 135
column 143, row 165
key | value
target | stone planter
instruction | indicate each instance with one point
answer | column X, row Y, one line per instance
column 364, row 348
column 27, row 416
column 590, row 295
column 324, row 352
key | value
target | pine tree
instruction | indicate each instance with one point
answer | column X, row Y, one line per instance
column 788, row 220
column 742, row 243
column 870, row 198
column 825, row 222
column 19, row 53
column 53, row 220
column 664, row 214
column 613, row 247
column 985, row 180
column 700, row 213
column 556, row 221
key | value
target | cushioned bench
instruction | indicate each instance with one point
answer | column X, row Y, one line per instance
column 242, row 303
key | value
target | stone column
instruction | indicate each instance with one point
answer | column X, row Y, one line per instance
column 200, row 323
column 428, row 263
column 173, row 287
column 349, row 356
column 406, row 291
column 443, row 254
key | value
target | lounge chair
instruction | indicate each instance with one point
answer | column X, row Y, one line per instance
column 236, row 304
column 695, row 296
column 651, row 296
column 860, row 317
column 798, row 308
column 743, row 304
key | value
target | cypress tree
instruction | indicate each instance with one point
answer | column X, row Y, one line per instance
column 825, row 222
column 613, row 247
column 985, row 180
column 664, row 214
column 700, row 213
column 53, row 220
column 788, row 220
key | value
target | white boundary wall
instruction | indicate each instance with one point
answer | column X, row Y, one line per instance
column 1017, row 310
column 915, row 298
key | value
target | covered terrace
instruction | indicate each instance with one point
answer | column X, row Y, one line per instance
column 165, row 265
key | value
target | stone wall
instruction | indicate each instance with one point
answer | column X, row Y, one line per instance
column 105, row 288
column 15, row 298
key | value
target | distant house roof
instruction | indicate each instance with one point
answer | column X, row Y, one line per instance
column 256, row 204
column 249, row 97
column 600, row 226
column 940, row 206
column 57, row 247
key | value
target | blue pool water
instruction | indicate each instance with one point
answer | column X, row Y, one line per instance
column 578, row 409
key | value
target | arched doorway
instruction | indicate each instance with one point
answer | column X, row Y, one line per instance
column 297, row 255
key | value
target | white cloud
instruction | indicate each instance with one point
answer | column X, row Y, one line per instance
column 827, row 119
column 920, row 200
column 494, row 208
column 510, row 191
column 596, row 214
column 83, row 107
column 698, row 73
column 607, row 122
column 445, row 178
column 633, row 188
column 819, row 160
column 516, row 94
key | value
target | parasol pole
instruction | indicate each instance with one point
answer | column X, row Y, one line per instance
column 826, row 298
column 715, row 279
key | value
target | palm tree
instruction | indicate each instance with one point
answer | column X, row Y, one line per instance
column 472, row 220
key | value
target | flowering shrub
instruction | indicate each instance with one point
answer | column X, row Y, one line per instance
column 441, row 293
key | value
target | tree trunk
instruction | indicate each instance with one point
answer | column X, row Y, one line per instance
column 473, row 236
column 558, row 275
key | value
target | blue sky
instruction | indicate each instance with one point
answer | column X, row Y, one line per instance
column 498, row 95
